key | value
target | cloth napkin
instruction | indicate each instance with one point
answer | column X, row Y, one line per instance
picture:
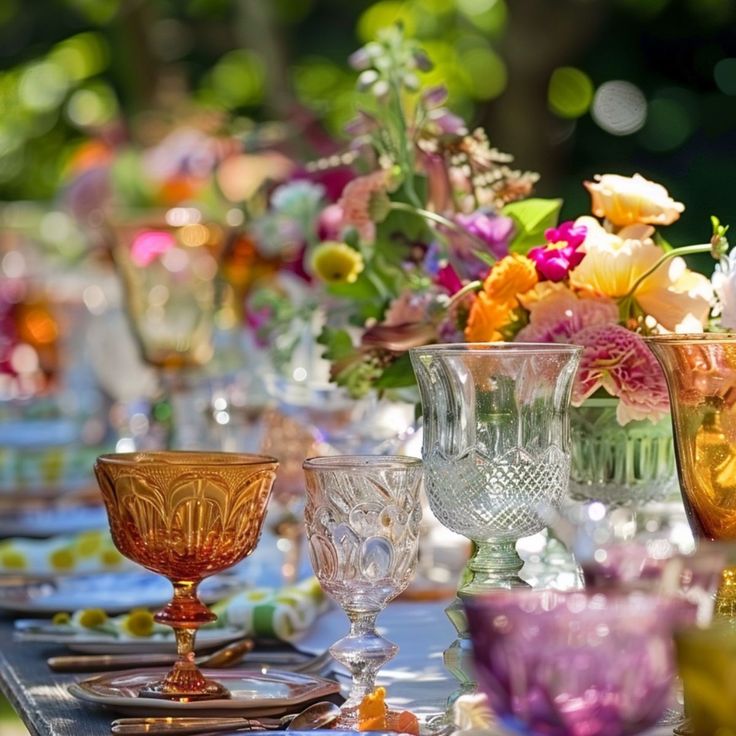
column 88, row 552
column 265, row 613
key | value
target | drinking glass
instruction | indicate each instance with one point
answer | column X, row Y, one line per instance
column 496, row 448
column 576, row 663
column 186, row 516
column 168, row 265
column 362, row 522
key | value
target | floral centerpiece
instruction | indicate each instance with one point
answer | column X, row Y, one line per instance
column 439, row 239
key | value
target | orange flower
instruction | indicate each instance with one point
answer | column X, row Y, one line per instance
column 486, row 319
column 510, row 277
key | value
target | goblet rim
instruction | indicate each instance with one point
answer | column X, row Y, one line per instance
column 358, row 462
column 190, row 458
column 684, row 338
column 550, row 602
column 524, row 348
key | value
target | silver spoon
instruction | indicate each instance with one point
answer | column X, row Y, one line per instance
column 317, row 715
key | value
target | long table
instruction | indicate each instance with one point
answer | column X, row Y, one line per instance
column 415, row 679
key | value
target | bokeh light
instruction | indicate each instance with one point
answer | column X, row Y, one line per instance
column 668, row 125
column 619, row 107
column 486, row 72
column 570, row 92
column 724, row 74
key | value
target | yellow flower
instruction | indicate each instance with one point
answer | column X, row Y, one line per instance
column 13, row 559
column 88, row 543
column 336, row 263
column 110, row 557
column 628, row 200
column 510, row 277
column 486, row 319
column 60, row 619
column 678, row 298
column 138, row 622
column 62, row 559
column 91, row 618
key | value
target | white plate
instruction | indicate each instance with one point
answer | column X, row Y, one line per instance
column 253, row 693
column 113, row 592
column 51, row 521
column 92, row 642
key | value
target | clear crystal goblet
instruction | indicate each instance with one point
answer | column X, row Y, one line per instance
column 362, row 520
column 496, row 449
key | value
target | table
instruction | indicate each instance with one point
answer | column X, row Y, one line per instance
column 39, row 695
column 415, row 678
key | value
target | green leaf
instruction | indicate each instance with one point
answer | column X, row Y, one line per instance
column 486, row 258
column 398, row 374
column 532, row 217
column 338, row 344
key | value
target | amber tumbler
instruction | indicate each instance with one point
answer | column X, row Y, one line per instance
column 185, row 515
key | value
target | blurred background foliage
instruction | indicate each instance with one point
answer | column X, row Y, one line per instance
column 570, row 87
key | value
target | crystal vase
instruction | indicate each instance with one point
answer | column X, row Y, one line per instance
column 631, row 464
column 496, row 449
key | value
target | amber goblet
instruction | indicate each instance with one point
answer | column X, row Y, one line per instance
column 186, row 516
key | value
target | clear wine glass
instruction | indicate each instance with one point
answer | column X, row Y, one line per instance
column 362, row 521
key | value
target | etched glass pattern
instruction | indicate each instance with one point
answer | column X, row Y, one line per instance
column 362, row 523
column 496, row 444
column 185, row 515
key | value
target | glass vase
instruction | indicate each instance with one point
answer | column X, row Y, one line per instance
column 631, row 464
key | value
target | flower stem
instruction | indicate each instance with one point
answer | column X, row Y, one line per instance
column 458, row 295
column 440, row 220
column 684, row 251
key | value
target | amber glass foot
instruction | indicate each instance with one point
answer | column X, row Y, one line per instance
column 185, row 682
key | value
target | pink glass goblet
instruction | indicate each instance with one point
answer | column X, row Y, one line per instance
column 576, row 663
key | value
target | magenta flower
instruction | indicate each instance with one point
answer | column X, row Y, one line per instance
column 619, row 361
column 448, row 279
column 149, row 245
column 561, row 253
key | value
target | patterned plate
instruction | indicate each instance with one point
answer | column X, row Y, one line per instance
column 253, row 693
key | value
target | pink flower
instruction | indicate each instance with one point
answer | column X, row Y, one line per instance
column 149, row 245
column 356, row 202
column 561, row 314
column 560, row 255
column 618, row 361
column 408, row 308
column 329, row 223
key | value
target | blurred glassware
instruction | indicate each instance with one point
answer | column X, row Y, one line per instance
column 589, row 663
column 701, row 377
column 186, row 516
column 362, row 519
column 706, row 660
column 292, row 443
column 631, row 464
column 169, row 267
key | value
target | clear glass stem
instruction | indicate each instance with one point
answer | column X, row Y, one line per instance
column 363, row 651
column 492, row 565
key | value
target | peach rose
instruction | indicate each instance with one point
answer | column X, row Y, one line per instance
column 630, row 200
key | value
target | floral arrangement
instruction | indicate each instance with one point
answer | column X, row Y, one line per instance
column 439, row 240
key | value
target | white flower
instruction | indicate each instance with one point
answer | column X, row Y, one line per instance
column 724, row 285
column 631, row 200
